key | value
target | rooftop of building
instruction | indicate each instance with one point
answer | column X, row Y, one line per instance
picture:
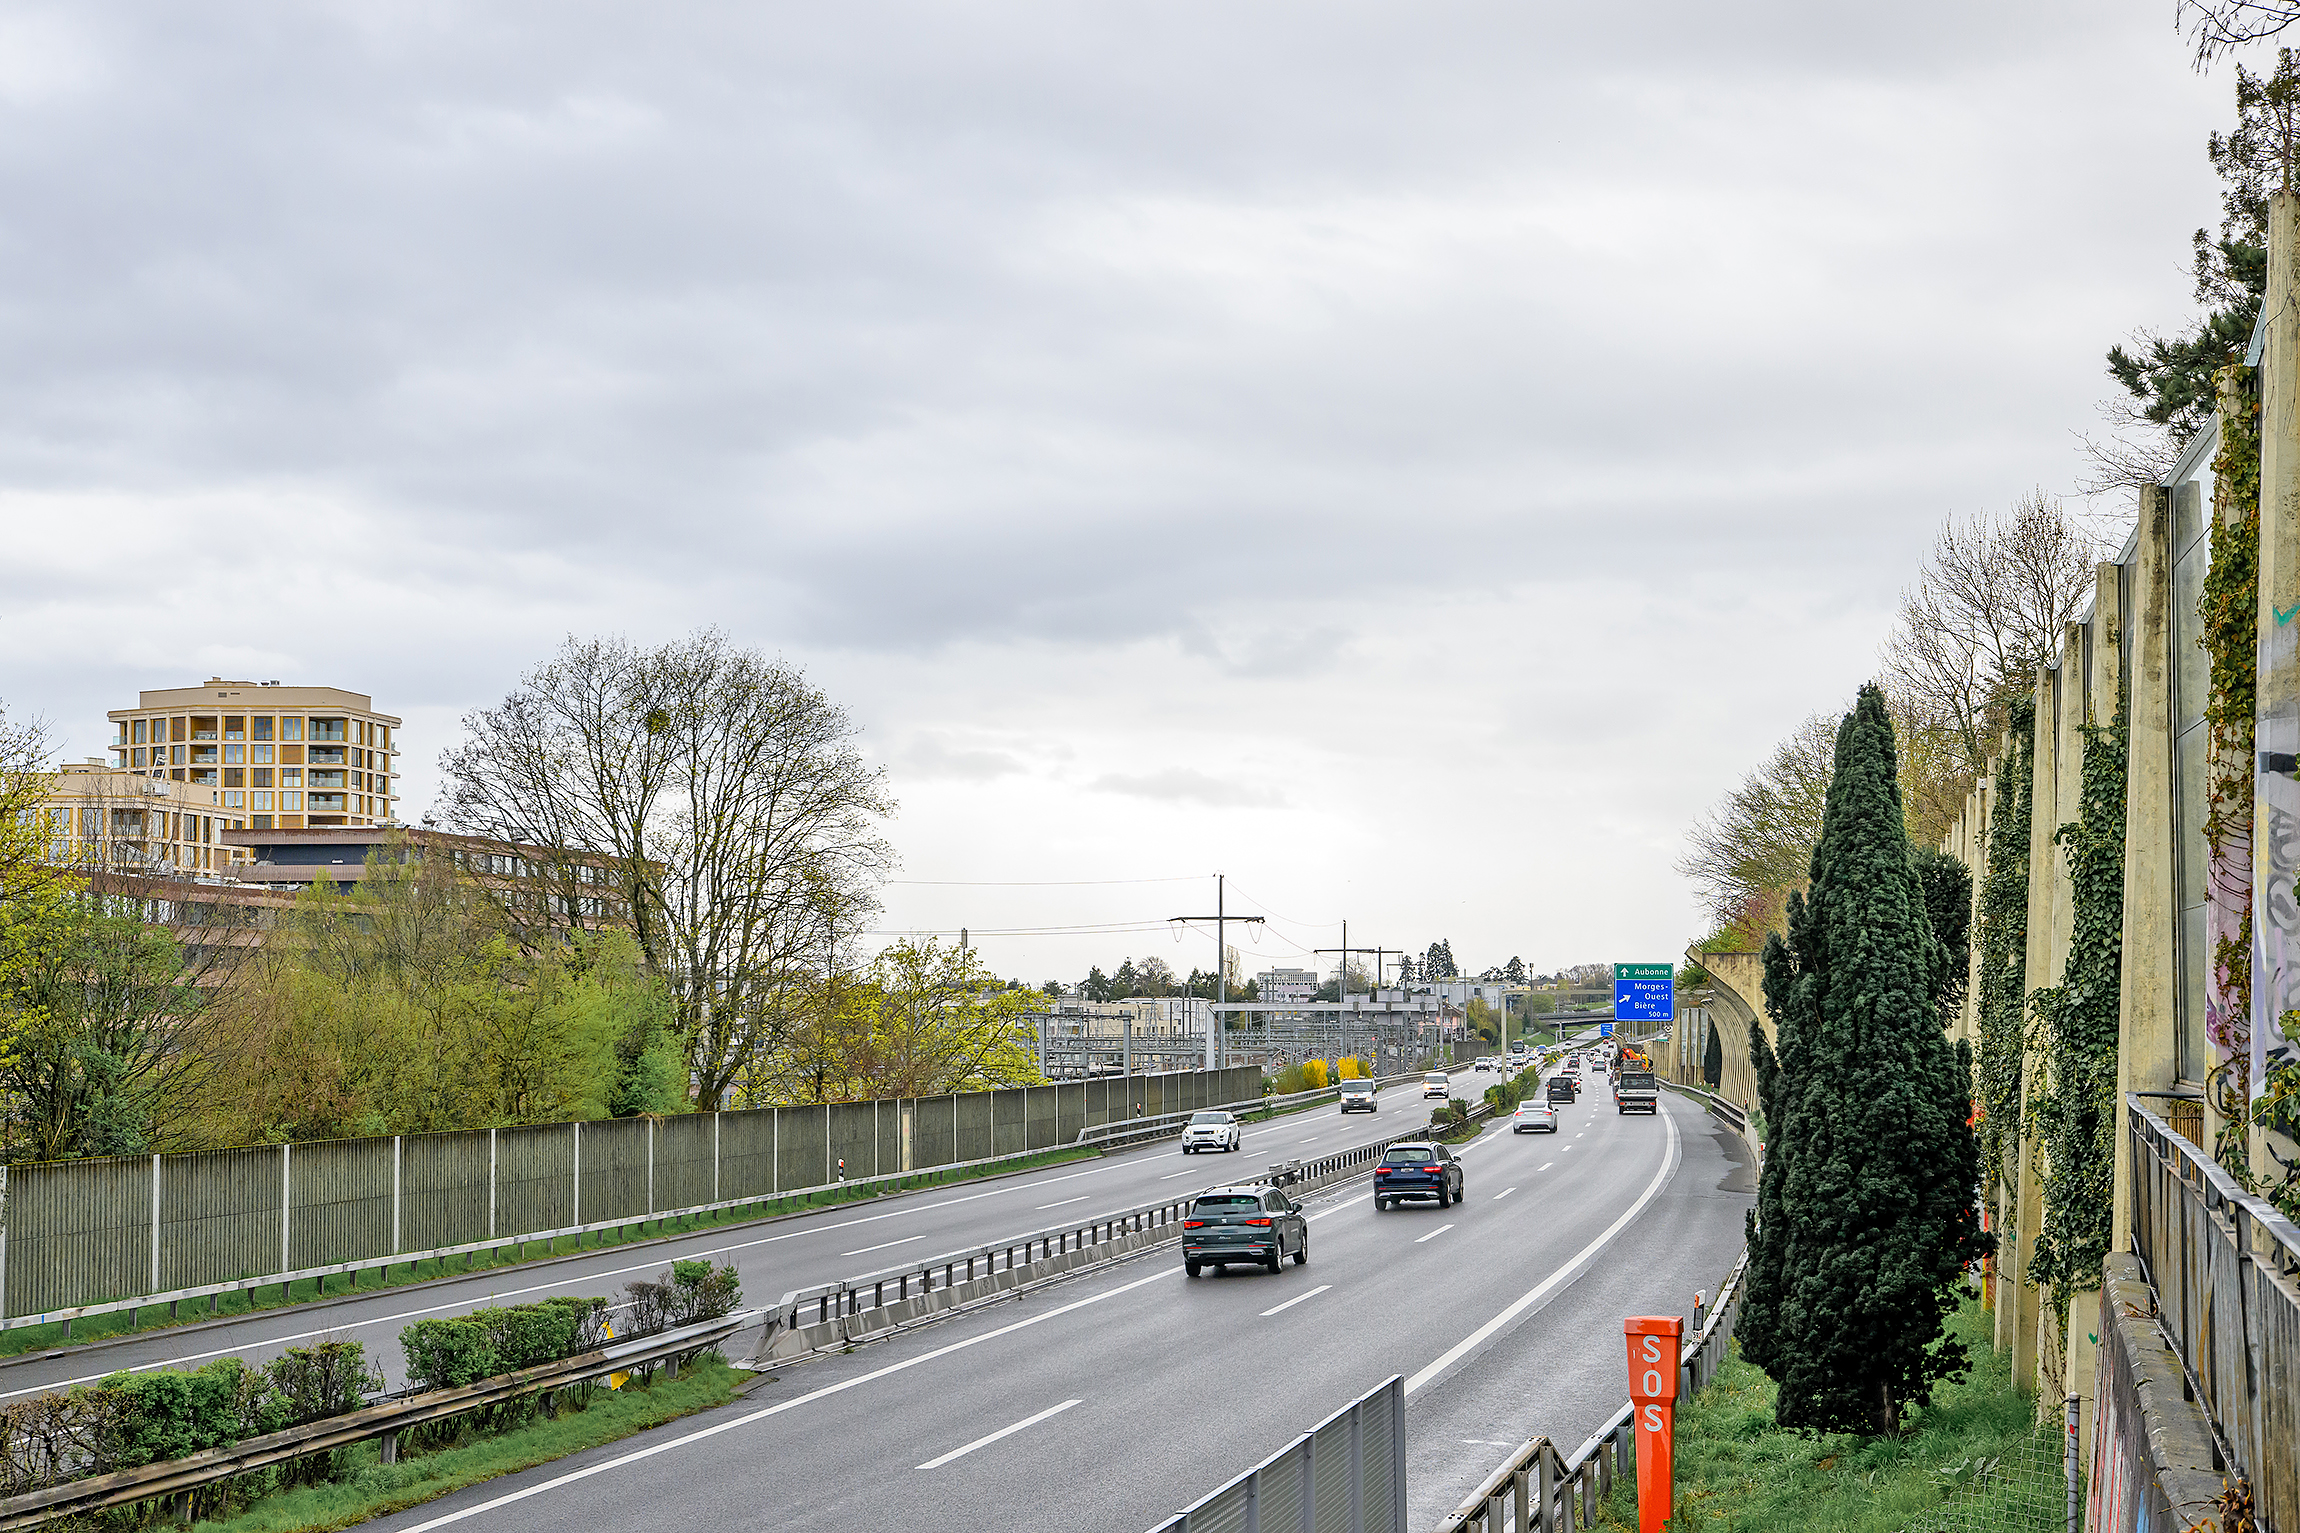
column 223, row 695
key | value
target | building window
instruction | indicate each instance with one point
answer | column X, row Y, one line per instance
column 327, row 801
column 291, row 801
column 320, row 779
column 136, row 756
column 231, row 799
column 291, row 729
column 263, row 821
column 234, row 777
column 235, row 754
column 327, row 729
column 137, row 733
column 260, row 801
column 260, row 777
column 260, row 729
column 291, row 777
column 175, row 755
column 261, row 755
column 235, row 728
column 205, row 777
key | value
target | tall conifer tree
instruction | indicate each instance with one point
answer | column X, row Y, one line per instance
column 1865, row 1218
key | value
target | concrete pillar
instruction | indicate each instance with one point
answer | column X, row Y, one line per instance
column 2147, row 1051
column 2276, row 805
column 2017, row 1300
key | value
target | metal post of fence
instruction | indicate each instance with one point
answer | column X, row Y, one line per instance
column 285, row 1264
column 490, row 1190
column 1357, row 1501
column 1545, row 1520
column 715, row 1117
column 2068, row 1463
column 1253, row 1489
column 155, row 1224
column 650, row 1165
column 578, row 1179
column 395, row 1193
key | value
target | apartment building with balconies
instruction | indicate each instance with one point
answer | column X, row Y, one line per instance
column 278, row 757
column 99, row 816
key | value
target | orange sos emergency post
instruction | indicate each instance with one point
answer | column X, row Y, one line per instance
column 1655, row 1346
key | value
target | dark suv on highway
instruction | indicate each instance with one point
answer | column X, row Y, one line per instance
column 1243, row 1224
column 1417, row 1171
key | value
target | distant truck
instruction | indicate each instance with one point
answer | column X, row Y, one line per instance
column 1636, row 1091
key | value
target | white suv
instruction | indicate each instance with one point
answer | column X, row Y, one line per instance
column 1211, row 1131
column 1435, row 1084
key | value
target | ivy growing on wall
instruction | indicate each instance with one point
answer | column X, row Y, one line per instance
column 2003, row 978
column 2074, row 1117
column 2228, row 620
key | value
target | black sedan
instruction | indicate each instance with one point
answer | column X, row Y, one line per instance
column 1417, row 1171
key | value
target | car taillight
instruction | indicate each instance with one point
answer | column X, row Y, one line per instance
column 1264, row 1223
column 1381, row 1171
column 1193, row 1224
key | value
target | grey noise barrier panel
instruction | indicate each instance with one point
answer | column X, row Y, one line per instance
column 1347, row 1474
column 96, row 1236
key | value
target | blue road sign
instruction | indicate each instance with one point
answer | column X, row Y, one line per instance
column 1604, row 1029
column 1644, row 992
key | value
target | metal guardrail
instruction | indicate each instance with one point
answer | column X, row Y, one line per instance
column 843, row 1311
column 1127, row 1131
column 1347, row 1474
column 1728, row 1111
column 2226, row 1269
column 179, row 1477
column 1535, row 1490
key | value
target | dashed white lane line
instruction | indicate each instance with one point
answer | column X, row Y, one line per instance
column 1296, row 1299
column 1548, row 1285
column 1544, row 1166
column 1433, row 1234
column 731, row 1423
column 1065, row 1203
column 1505, row 1192
column 885, row 1246
column 984, row 1442
column 1169, row 1176
column 1565, row 1149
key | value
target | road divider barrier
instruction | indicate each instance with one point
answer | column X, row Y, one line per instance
column 176, row 1479
column 853, row 1309
column 1347, row 1474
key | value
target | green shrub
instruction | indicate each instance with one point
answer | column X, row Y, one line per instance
column 446, row 1354
column 166, row 1415
column 689, row 1294
column 314, row 1383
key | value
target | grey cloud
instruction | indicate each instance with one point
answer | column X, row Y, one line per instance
column 927, row 757
column 1187, row 785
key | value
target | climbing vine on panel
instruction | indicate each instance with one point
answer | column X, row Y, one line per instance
column 2074, row 1117
column 2003, row 976
column 2228, row 614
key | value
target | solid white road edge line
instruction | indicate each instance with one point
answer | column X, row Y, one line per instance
column 1558, row 1279
column 1433, row 1234
column 984, row 1442
column 1296, row 1299
column 793, row 1403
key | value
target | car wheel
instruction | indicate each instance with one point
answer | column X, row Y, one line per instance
column 1191, row 1268
column 1185, row 1149
column 1277, row 1263
column 1302, row 1257
column 1445, row 1198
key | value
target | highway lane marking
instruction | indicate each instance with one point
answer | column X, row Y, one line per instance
column 1565, row 1149
column 984, row 1442
column 1544, row 1166
column 889, row 1245
column 1338, row 1207
column 1572, row 1269
column 1433, row 1234
column 1169, row 1176
column 1296, row 1299
column 1313, row 1139
column 1065, row 1203
column 793, row 1403
column 496, row 1294
column 1505, row 1192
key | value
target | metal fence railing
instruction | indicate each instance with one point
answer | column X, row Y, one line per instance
column 2225, row 1266
column 85, row 1237
column 1347, row 1474
column 1538, row 1490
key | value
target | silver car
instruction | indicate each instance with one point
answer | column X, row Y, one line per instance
column 1532, row 1116
column 1211, row 1131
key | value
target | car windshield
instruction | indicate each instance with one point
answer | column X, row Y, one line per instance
column 1435, row 1077
column 1228, row 1202
column 1357, row 1085
column 1209, row 1117
column 1531, row 1107
column 1634, row 1079
column 1410, row 1157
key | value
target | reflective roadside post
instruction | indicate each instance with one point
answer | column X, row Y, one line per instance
column 1655, row 1347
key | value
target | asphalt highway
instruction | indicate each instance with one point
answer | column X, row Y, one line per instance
column 772, row 1256
column 1109, row 1400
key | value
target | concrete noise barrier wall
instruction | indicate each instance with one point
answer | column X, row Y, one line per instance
column 82, row 1233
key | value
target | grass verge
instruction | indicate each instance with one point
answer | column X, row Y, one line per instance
column 42, row 1338
column 1739, row 1473
column 373, row 1488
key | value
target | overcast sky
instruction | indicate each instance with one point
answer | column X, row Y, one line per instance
column 1412, row 458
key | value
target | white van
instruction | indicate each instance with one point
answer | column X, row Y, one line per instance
column 1435, row 1084
column 1358, row 1095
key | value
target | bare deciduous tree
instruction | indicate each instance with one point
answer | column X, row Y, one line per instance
column 1988, row 606
column 740, row 821
column 2217, row 26
column 1758, row 842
